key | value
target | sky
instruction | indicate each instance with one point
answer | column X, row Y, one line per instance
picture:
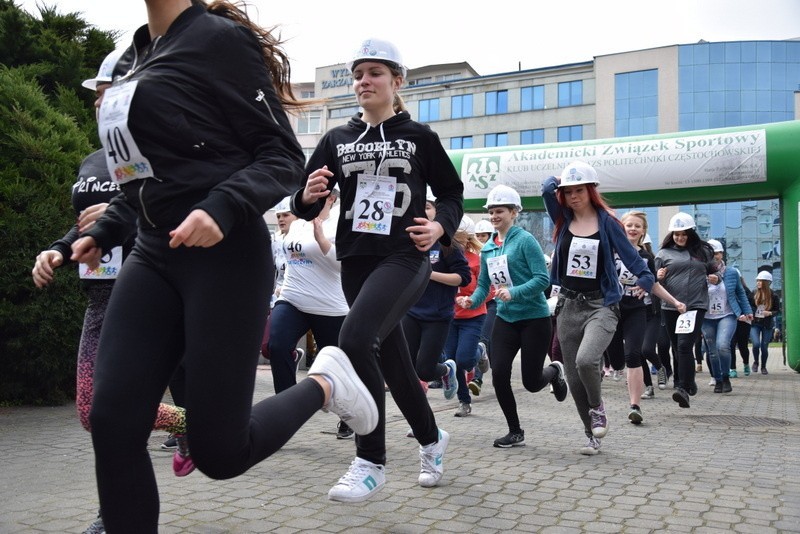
column 498, row 36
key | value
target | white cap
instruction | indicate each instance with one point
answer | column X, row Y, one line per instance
column 466, row 225
column 283, row 206
column 378, row 50
column 680, row 222
column 716, row 245
column 106, row 71
column 764, row 275
column 547, row 260
column 502, row 195
column 483, row 227
column 577, row 173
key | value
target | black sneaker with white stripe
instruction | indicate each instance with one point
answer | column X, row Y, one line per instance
column 512, row 439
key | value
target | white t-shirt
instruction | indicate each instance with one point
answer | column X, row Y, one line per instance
column 313, row 282
column 279, row 259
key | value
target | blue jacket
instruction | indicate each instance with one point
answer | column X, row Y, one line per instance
column 612, row 239
column 437, row 302
column 528, row 273
column 737, row 297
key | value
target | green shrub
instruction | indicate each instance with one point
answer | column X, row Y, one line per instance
column 40, row 151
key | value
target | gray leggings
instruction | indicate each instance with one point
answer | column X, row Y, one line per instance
column 585, row 328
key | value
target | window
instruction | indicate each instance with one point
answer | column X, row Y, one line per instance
column 532, row 98
column 307, row 94
column 496, row 102
column 343, row 112
column 457, row 143
column 570, row 93
column 636, row 103
column 429, row 110
column 570, row 133
column 461, row 106
column 495, row 139
column 307, row 153
column 531, row 137
column 309, row 122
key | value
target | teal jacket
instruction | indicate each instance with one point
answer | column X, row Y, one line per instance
column 528, row 272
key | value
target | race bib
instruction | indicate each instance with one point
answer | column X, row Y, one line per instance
column 685, row 323
column 554, row 291
column 498, row 271
column 124, row 159
column 583, row 253
column 716, row 304
column 760, row 311
column 109, row 267
column 374, row 203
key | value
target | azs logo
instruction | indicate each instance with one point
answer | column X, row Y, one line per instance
column 483, row 172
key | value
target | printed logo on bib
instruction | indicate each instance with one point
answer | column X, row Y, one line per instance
column 374, row 204
column 109, row 267
column 583, row 254
column 434, row 256
column 716, row 304
column 124, row 159
column 760, row 311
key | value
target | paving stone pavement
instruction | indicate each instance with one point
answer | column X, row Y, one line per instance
column 730, row 463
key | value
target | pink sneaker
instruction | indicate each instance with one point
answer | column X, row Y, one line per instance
column 182, row 463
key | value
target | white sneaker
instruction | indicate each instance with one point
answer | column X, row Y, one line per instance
column 362, row 480
column 591, row 448
column 350, row 399
column 432, row 461
column 712, row 382
column 483, row 361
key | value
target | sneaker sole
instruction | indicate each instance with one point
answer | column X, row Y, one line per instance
column 475, row 389
column 682, row 402
column 588, row 451
column 635, row 418
column 561, row 377
column 357, row 498
column 503, row 446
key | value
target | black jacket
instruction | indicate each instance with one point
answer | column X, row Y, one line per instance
column 206, row 116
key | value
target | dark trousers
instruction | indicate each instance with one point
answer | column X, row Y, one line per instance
column 380, row 290
column 185, row 303
column 683, row 347
column 531, row 337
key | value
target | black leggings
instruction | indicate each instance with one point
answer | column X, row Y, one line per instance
column 188, row 303
column 740, row 339
column 625, row 348
column 426, row 340
column 683, row 347
column 380, row 290
column 652, row 331
column 532, row 338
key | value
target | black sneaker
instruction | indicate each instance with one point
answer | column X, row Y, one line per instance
column 435, row 384
column 559, row 383
column 170, row 444
column 681, row 397
column 343, row 431
column 512, row 439
column 726, row 385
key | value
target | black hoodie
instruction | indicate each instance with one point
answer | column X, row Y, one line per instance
column 411, row 153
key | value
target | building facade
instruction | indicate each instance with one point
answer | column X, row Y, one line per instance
column 660, row 90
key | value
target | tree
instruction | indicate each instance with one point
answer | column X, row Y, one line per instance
column 47, row 127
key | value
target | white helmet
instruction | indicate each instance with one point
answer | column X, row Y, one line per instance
column 502, row 195
column 483, row 227
column 467, row 225
column 380, row 51
column 681, row 221
column 764, row 275
column 283, row 206
column 429, row 196
column 716, row 245
column 577, row 173
column 547, row 260
column 106, row 71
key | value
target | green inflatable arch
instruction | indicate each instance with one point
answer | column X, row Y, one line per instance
column 729, row 164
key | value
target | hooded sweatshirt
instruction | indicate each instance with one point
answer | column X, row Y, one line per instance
column 399, row 147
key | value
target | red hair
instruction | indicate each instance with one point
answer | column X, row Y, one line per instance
column 595, row 199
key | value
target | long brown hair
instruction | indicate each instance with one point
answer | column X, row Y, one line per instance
column 595, row 198
column 269, row 39
column 763, row 294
